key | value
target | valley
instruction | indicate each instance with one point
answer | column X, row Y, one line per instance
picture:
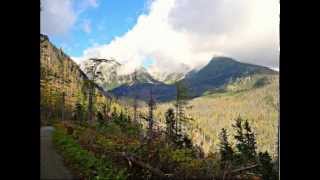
column 100, row 135
column 217, row 110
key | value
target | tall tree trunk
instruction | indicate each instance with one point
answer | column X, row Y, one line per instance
column 62, row 106
column 91, row 92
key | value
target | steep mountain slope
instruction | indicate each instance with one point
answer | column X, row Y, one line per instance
column 160, row 91
column 220, row 71
column 63, row 84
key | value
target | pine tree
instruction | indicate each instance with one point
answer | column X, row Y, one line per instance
column 225, row 149
column 246, row 142
column 250, row 141
column 266, row 167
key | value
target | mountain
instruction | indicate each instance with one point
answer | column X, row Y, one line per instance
column 169, row 77
column 219, row 72
column 63, row 84
column 161, row 91
column 109, row 74
column 246, row 96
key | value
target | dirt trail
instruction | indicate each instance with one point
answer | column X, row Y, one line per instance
column 52, row 167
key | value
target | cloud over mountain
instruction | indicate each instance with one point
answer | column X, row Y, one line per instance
column 191, row 32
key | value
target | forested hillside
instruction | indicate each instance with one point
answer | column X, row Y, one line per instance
column 64, row 87
column 255, row 98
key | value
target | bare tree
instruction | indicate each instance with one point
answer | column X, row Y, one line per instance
column 135, row 103
column 92, row 71
column 152, row 106
column 180, row 105
column 62, row 106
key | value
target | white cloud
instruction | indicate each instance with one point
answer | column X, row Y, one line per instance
column 77, row 60
column 191, row 32
column 59, row 16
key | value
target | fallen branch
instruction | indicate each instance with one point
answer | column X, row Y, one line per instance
column 244, row 168
column 136, row 161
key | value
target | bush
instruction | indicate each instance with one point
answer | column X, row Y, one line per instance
column 91, row 167
column 261, row 82
column 88, row 137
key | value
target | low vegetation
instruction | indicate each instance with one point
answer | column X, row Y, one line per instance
column 109, row 151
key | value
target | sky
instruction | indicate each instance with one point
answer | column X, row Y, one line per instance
column 162, row 34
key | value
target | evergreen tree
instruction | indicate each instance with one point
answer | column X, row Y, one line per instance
column 250, row 141
column 266, row 167
column 246, row 142
column 225, row 149
column 100, row 118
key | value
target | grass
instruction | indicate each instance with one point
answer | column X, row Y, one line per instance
column 84, row 161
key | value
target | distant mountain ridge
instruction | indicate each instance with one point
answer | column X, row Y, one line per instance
column 169, row 77
column 220, row 71
column 217, row 73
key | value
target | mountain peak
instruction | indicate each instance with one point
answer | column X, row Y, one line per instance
column 222, row 59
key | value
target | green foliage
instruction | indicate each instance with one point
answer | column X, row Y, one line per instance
column 246, row 142
column 266, row 167
column 176, row 156
column 100, row 117
column 91, row 167
column 110, row 128
column 120, row 119
column 261, row 82
column 226, row 150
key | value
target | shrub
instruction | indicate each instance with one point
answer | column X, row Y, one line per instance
column 91, row 167
column 88, row 137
